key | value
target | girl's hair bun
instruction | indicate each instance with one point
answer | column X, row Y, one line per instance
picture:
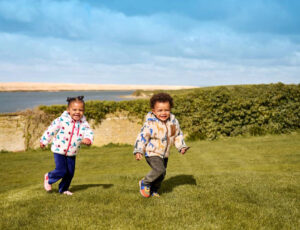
column 69, row 99
column 78, row 98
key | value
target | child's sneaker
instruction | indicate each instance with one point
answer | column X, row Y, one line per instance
column 144, row 189
column 155, row 194
column 47, row 186
column 68, row 193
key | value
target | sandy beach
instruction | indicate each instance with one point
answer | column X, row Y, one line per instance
column 25, row 86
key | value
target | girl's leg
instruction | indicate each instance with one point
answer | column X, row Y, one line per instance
column 66, row 181
column 60, row 168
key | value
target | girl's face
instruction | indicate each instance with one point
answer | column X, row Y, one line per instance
column 76, row 110
column 162, row 110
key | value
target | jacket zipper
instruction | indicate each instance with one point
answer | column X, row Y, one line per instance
column 71, row 138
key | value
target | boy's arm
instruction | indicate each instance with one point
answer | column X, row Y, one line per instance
column 142, row 139
column 88, row 133
column 50, row 132
column 179, row 140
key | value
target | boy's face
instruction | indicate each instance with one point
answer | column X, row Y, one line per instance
column 76, row 110
column 162, row 110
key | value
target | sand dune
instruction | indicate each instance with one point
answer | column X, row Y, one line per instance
column 25, row 86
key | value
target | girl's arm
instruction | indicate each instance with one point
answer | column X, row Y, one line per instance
column 142, row 139
column 50, row 132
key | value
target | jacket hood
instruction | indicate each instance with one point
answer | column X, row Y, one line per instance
column 67, row 116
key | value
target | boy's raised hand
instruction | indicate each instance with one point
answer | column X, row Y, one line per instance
column 138, row 156
column 86, row 141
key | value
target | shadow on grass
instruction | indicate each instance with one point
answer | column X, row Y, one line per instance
column 169, row 184
column 86, row 186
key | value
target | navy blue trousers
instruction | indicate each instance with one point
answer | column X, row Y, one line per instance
column 64, row 169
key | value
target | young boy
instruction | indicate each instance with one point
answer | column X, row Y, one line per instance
column 161, row 130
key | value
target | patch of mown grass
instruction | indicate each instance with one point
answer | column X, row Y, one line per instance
column 235, row 183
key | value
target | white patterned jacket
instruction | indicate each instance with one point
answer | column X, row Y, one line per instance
column 66, row 134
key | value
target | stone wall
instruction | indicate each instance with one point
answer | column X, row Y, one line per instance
column 116, row 129
column 22, row 131
column 12, row 133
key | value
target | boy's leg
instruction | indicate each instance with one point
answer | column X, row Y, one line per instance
column 155, row 185
column 158, row 169
column 66, row 180
column 60, row 168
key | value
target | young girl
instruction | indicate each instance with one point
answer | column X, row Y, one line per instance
column 67, row 131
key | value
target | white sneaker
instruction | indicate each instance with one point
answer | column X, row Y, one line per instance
column 68, row 193
column 47, row 186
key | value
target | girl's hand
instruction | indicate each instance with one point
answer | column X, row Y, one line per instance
column 183, row 150
column 42, row 145
column 86, row 141
column 138, row 156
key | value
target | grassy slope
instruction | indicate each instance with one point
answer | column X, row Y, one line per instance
column 236, row 183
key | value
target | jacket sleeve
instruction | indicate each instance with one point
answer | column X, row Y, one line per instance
column 179, row 140
column 142, row 139
column 88, row 133
column 50, row 132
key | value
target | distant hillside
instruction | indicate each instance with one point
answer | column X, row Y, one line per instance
column 27, row 86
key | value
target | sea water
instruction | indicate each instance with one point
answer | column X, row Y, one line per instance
column 16, row 101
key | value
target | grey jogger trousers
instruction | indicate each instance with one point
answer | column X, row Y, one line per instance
column 155, row 177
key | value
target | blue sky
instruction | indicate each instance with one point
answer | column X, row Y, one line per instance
column 174, row 42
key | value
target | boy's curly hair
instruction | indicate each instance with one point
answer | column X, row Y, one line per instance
column 161, row 97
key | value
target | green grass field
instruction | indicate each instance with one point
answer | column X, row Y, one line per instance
column 234, row 183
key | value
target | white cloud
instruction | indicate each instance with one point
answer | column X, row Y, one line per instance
column 69, row 40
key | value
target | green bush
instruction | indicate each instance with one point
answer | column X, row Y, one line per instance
column 238, row 110
column 208, row 113
column 97, row 110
